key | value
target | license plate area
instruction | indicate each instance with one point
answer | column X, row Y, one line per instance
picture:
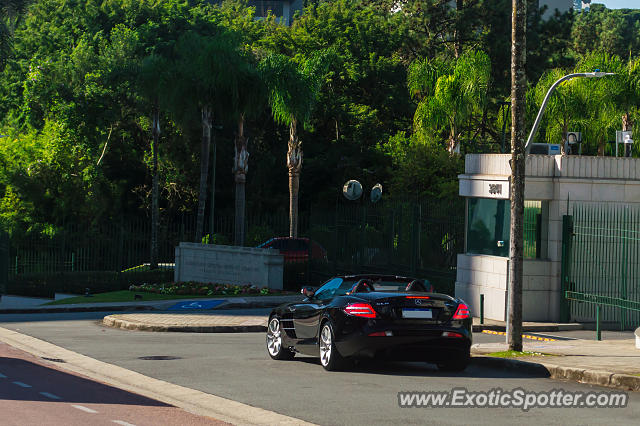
column 417, row 313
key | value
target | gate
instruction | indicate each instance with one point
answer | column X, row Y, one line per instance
column 601, row 259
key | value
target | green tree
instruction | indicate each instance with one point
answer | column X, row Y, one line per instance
column 207, row 74
column 449, row 95
column 293, row 89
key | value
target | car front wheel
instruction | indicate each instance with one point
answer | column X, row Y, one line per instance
column 274, row 341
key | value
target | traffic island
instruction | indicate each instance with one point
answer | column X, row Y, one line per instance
column 188, row 323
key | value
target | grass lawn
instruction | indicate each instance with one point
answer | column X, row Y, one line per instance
column 516, row 354
column 127, row 296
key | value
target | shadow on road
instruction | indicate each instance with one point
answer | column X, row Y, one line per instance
column 25, row 380
column 417, row 369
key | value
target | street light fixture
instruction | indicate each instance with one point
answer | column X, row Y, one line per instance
column 536, row 124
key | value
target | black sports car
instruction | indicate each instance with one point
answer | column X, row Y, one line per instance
column 373, row 316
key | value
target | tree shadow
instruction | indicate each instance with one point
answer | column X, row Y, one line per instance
column 68, row 387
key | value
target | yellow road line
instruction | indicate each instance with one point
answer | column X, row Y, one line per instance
column 526, row 336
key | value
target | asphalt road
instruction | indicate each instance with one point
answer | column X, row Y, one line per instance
column 236, row 366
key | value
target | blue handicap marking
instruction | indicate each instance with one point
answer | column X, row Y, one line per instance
column 190, row 304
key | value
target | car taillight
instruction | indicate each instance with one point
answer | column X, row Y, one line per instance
column 418, row 297
column 451, row 334
column 462, row 312
column 363, row 310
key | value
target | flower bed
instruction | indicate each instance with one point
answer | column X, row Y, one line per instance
column 200, row 289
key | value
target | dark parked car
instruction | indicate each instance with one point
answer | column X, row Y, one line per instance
column 297, row 249
column 373, row 316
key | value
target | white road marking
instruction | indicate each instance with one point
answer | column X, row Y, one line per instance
column 49, row 395
column 22, row 385
column 85, row 409
column 120, row 422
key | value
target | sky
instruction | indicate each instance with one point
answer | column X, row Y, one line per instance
column 619, row 4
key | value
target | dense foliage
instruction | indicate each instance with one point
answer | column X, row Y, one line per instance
column 402, row 84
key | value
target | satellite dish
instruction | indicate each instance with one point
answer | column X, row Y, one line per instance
column 352, row 190
column 376, row 193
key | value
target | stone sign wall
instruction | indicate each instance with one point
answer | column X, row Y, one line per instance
column 210, row 263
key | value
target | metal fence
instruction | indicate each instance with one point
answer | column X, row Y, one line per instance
column 601, row 258
column 400, row 238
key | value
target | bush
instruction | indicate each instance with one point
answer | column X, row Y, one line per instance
column 47, row 284
column 194, row 288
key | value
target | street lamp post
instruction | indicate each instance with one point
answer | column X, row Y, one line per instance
column 543, row 107
column 514, row 316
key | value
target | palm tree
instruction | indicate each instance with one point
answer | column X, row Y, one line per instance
column 448, row 96
column 564, row 109
column 153, row 81
column 10, row 11
column 610, row 100
column 293, row 89
column 206, row 73
column 251, row 99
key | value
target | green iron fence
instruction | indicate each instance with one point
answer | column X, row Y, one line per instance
column 601, row 261
column 400, row 238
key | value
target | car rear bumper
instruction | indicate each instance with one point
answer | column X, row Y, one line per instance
column 431, row 347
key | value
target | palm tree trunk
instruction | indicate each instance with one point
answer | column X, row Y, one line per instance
column 516, row 239
column 240, row 169
column 204, row 169
column 457, row 48
column 155, row 213
column 294, row 164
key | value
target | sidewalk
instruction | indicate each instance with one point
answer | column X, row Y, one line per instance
column 612, row 363
column 526, row 326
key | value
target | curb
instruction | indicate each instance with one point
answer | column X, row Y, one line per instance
column 591, row 377
column 478, row 328
column 110, row 321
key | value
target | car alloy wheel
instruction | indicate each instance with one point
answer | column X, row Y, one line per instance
column 330, row 358
column 274, row 341
column 325, row 345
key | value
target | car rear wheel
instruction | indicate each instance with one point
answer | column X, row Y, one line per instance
column 274, row 341
column 330, row 358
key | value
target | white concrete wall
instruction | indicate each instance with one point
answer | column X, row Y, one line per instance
column 210, row 263
column 488, row 275
column 481, row 274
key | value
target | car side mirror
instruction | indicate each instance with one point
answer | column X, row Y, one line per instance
column 308, row 291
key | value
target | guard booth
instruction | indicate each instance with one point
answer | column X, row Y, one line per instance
column 554, row 183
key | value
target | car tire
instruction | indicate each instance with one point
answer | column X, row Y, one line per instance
column 456, row 364
column 274, row 341
column 330, row 358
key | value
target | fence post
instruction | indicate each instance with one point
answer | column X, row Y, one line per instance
column 565, row 274
column 4, row 262
column 598, row 331
column 482, row 309
column 414, row 239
